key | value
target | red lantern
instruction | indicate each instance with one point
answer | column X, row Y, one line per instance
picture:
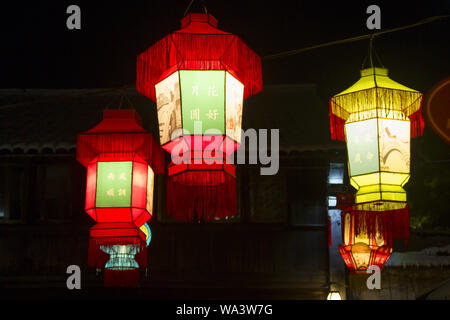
column 120, row 249
column 121, row 159
column 367, row 236
column 199, row 75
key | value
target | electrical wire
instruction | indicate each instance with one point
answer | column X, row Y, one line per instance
column 266, row 58
column 353, row 39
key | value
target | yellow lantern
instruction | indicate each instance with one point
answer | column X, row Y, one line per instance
column 377, row 117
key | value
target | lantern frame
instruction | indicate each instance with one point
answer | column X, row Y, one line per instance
column 119, row 138
column 372, row 236
column 375, row 106
column 199, row 184
column 141, row 190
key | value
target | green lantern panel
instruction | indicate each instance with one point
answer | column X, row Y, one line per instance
column 362, row 146
column 113, row 184
column 203, row 99
column 212, row 98
column 379, row 158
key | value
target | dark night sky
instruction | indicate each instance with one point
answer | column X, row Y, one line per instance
column 39, row 52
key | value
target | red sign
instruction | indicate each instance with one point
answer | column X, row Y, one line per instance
column 437, row 109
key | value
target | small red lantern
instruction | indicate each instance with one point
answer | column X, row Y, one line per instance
column 121, row 159
column 363, row 247
column 199, row 76
column 121, row 250
column 368, row 235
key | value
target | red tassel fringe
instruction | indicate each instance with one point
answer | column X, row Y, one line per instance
column 196, row 51
column 337, row 124
column 187, row 202
column 121, row 278
column 97, row 258
column 394, row 224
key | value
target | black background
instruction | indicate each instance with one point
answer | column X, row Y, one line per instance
column 38, row 50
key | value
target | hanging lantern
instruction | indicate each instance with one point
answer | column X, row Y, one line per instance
column 121, row 160
column 377, row 117
column 364, row 244
column 121, row 250
column 198, row 76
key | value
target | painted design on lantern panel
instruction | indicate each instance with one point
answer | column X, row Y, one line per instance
column 234, row 102
column 362, row 146
column 168, row 104
column 361, row 254
column 150, row 186
column 113, row 184
column 202, row 94
column 394, row 145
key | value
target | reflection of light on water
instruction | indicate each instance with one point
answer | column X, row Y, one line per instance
column 121, row 257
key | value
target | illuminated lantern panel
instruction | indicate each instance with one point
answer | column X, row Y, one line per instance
column 121, row 250
column 121, row 257
column 121, row 160
column 379, row 158
column 199, row 76
column 200, row 116
column 120, row 191
column 363, row 244
column 213, row 98
column 377, row 118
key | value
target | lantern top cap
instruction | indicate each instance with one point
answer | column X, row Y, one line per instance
column 375, row 78
column 122, row 114
column 374, row 71
column 200, row 23
column 118, row 121
column 198, row 17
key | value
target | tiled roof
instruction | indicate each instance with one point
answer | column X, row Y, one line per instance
column 52, row 122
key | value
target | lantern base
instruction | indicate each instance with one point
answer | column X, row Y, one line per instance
column 121, row 278
column 358, row 262
column 118, row 248
column 368, row 219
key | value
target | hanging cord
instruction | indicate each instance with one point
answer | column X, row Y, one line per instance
column 188, row 7
column 190, row 4
column 371, row 60
column 109, row 105
column 130, row 103
column 370, row 51
column 121, row 99
column 124, row 97
column 353, row 39
column 369, row 55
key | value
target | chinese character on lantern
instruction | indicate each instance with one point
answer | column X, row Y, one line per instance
column 121, row 160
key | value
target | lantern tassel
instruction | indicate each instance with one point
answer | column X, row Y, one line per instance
column 199, row 201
